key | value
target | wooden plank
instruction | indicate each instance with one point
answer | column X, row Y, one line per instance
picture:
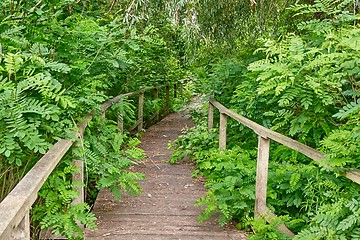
column 22, row 232
column 222, row 131
column 210, row 116
column 353, row 175
column 78, row 176
column 263, row 131
column 261, row 176
column 141, row 112
column 120, row 123
column 18, row 202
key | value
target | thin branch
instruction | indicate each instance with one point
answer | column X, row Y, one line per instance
column 113, row 2
column 35, row 7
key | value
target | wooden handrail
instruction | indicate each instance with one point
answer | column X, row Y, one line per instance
column 14, row 209
column 18, row 202
column 260, row 130
column 265, row 135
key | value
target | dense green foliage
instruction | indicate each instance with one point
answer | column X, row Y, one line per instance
column 302, row 81
column 58, row 61
column 290, row 65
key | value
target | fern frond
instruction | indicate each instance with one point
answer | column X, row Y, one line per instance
column 348, row 109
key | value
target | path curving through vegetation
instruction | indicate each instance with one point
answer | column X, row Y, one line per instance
column 165, row 210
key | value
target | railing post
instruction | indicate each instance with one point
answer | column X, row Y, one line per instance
column 78, row 175
column 210, row 116
column 120, row 123
column 262, row 176
column 141, row 111
column 222, row 131
column 167, row 105
column 22, row 232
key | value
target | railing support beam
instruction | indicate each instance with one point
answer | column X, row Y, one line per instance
column 22, row 232
column 78, row 176
column 262, row 176
column 222, row 131
column 120, row 123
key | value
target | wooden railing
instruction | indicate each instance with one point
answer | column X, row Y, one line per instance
column 15, row 208
column 264, row 137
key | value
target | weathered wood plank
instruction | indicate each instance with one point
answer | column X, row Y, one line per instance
column 120, row 123
column 165, row 209
column 18, row 202
column 78, row 176
column 222, row 131
column 353, row 175
column 22, row 232
column 262, row 175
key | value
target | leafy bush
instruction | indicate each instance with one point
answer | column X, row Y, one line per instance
column 59, row 61
column 304, row 84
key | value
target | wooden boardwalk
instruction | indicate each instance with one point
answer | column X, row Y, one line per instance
column 165, row 210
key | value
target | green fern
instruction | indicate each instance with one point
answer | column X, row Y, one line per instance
column 348, row 109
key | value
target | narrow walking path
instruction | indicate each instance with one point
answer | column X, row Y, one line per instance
column 165, row 210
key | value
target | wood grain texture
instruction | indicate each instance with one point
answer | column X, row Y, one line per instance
column 222, row 131
column 165, row 210
column 19, row 201
column 261, row 175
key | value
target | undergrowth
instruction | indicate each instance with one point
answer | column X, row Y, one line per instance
column 304, row 84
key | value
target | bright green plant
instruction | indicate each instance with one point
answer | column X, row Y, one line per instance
column 231, row 182
column 57, row 211
column 267, row 230
column 59, row 61
column 107, row 154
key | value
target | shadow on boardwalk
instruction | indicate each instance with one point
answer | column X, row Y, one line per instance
column 165, row 210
